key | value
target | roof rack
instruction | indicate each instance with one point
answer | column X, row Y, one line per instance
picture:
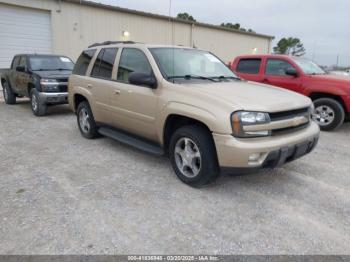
column 112, row 43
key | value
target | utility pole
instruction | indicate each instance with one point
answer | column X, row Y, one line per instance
column 337, row 64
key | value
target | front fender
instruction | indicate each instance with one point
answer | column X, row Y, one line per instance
column 200, row 114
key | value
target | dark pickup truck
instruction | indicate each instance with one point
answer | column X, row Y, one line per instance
column 42, row 78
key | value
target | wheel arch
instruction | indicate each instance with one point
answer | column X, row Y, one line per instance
column 317, row 95
column 175, row 121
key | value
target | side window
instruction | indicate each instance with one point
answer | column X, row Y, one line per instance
column 277, row 67
column 23, row 61
column 103, row 66
column 249, row 66
column 132, row 60
column 83, row 62
column 15, row 62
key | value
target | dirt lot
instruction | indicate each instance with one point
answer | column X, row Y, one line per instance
column 63, row 194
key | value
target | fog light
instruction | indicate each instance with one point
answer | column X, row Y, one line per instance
column 254, row 157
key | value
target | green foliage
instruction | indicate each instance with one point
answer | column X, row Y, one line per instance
column 185, row 16
column 290, row 46
column 236, row 26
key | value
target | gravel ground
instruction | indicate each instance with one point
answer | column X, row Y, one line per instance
column 63, row 194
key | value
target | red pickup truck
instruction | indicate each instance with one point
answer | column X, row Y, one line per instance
column 330, row 93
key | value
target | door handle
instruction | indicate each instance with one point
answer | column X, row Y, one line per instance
column 117, row 92
column 89, row 86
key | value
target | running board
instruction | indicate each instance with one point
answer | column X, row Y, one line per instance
column 131, row 140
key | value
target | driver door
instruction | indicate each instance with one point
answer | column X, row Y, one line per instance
column 134, row 107
column 275, row 74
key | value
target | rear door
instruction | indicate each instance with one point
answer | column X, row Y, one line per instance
column 101, row 85
column 250, row 69
column 275, row 74
column 13, row 73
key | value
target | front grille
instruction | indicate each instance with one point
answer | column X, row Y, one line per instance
column 289, row 114
column 285, row 115
column 64, row 80
column 63, row 88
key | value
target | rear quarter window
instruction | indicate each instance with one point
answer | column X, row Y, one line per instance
column 83, row 62
column 249, row 66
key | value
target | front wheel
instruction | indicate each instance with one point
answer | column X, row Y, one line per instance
column 329, row 114
column 193, row 155
column 38, row 108
column 9, row 96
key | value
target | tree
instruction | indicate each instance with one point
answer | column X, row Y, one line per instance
column 231, row 26
column 236, row 26
column 185, row 16
column 290, row 46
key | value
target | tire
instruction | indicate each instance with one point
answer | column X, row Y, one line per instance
column 38, row 107
column 205, row 167
column 329, row 114
column 87, row 127
column 9, row 96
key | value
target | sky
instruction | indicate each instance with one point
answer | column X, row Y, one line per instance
column 322, row 25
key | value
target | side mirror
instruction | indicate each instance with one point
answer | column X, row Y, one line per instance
column 20, row 69
column 142, row 79
column 291, row 72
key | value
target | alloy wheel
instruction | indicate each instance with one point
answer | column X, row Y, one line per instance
column 187, row 157
column 34, row 102
column 6, row 94
column 324, row 115
column 84, row 120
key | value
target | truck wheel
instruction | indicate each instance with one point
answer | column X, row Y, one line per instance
column 38, row 108
column 86, row 121
column 193, row 155
column 9, row 96
column 329, row 114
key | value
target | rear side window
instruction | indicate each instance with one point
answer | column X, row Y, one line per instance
column 249, row 66
column 15, row 62
column 132, row 60
column 83, row 62
column 103, row 66
column 277, row 67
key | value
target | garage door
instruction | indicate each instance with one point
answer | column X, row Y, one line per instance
column 23, row 30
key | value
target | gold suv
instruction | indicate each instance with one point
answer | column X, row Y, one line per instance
column 186, row 103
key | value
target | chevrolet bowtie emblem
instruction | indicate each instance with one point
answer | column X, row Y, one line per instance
column 298, row 121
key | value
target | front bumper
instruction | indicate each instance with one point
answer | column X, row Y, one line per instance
column 53, row 98
column 254, row 153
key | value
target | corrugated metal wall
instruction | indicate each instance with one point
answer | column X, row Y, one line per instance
column 74, row 27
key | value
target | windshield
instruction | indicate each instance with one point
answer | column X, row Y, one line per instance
column 309, row 67
column 190, row 64
column 50, row 63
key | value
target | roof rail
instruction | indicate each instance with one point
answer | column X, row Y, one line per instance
column 112, row 43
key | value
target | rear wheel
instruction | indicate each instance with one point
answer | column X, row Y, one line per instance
column 38, row 108
column 86, row 121
column 329, row 114
column 9, row 96
column 193, row 155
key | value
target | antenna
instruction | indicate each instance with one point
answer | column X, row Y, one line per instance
column 172, row 37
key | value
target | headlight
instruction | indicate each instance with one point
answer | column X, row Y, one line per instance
column 241, row 119
column 49, row 85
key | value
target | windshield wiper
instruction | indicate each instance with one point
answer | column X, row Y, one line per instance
column 188, row 77
column 226, row 77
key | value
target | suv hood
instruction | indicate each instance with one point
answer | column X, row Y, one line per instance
column 253, row 96
column 54, row 74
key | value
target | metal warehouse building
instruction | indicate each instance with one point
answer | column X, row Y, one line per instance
column 68, row 26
